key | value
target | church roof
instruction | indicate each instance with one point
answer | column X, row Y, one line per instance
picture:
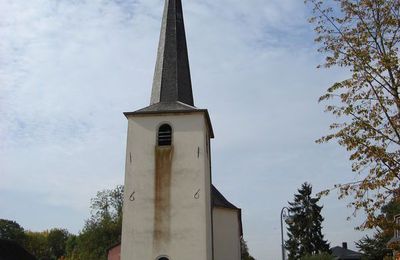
column 172, row 80
column 218, row 200
column 172, row 85
column 168, row 106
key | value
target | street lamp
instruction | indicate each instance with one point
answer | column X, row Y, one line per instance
column 288, row 218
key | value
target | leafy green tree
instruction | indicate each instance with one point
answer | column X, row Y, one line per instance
column 11, row 230
column 374, row 248
column 56, row 241
column 71, row 248
column 362, row 37
column 43, row 245
column 245, row 251
column 322, row 256
column 305, row 225
column 102, row 229
column 37, row 244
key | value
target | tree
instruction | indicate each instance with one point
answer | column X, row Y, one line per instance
column 44, row 245
column 71, row 248
column 374, row 248
column 305, row 225
column 245, row 250
column 37, row 244
column 102, row 229
column 363, row 37
column 322, row 256
column 11, row 230
column 56, row 240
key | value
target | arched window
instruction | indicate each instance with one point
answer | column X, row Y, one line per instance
column 162, row 258
column 164, row 138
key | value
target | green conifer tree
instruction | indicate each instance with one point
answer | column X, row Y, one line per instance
column 305, row 225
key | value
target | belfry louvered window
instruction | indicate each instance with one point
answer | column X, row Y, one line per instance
column 164, row 135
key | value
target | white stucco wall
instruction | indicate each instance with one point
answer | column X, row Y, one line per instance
column 226, row 234
column 190, row 218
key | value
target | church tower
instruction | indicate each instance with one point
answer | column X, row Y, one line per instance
column 167, row 203
column 171, row 209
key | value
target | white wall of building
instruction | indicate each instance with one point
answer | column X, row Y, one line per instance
column 226, row 234
column 190, row 217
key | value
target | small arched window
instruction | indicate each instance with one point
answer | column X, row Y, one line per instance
column 162, row 258
column 164, row 137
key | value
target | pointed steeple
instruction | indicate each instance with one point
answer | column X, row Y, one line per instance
column 172, row 74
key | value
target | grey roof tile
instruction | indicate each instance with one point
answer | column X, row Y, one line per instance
column 218, row 200
column 167, row 106
column 345, row 254
column 172, row 80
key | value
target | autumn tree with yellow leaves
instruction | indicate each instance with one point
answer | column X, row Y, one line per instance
column 362, row 36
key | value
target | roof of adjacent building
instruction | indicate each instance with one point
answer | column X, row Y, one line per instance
column 172, row 81
column 345, row 254
column 218, row 200
column 10, row 250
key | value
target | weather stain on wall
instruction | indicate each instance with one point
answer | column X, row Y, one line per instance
column 163, row 158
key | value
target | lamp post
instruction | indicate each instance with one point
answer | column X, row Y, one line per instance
column 282, row 241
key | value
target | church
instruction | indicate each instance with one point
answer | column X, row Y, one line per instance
column 171, row 209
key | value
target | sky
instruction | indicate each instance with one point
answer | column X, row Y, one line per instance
column 69, row 68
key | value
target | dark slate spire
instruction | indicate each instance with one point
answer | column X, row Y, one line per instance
column 172, row 75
